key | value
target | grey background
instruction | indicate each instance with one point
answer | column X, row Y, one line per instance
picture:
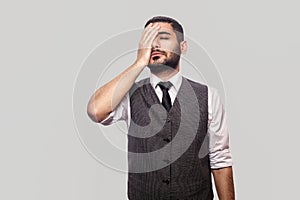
column 44, row 43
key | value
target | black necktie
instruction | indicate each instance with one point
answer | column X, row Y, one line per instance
column 166, row 100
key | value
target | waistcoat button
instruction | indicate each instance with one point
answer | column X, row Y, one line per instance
column 166, row 140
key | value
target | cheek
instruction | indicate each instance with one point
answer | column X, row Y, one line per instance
column 170, row 47
column 176, row 50
column 167, row 44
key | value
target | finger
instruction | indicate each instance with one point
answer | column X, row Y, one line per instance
column 149, row 29
column 151, row 36
column 149, row 25
column 148, row 36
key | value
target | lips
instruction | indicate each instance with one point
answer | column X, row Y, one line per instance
column 156, row 54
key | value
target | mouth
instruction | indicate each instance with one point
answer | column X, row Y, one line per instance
column 156, row 55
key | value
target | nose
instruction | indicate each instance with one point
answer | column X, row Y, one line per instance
column 156, row 43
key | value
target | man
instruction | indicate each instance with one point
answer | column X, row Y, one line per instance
column 168, row 118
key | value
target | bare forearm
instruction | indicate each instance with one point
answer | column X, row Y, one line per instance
column 107, row 97
column 224, row 183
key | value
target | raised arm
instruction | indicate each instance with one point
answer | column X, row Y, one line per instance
column 107, row 97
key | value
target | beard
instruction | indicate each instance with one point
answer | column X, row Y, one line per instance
column 170, row 63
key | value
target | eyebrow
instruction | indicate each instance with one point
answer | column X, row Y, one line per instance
column 163, row 32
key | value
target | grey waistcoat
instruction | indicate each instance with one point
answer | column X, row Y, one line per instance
column 168, row 152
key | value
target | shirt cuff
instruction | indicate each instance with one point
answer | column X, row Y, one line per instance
column 220, row 159
column 109, row 119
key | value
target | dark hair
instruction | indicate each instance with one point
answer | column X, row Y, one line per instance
column 175, row 25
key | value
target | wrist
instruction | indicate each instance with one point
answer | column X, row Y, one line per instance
column 141, row 63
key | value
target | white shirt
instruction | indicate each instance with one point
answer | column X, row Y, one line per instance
column 219, row 152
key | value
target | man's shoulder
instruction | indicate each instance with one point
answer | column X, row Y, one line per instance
column 142, row 82
column 211, row 92
column 196, row 84
column 139, row 84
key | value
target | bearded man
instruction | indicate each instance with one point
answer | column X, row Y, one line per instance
column 171, row 121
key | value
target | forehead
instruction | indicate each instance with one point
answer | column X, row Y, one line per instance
column 166, row 27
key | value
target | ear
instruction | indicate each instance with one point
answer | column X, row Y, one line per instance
column 183, row 47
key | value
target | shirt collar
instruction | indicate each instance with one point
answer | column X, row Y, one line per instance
column 175, row 80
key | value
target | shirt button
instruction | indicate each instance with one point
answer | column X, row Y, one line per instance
column 166, row 182
column 166, row 140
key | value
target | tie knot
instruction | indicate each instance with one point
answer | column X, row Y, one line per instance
column 165, row 85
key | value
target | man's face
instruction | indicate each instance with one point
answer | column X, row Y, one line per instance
column 165, row 47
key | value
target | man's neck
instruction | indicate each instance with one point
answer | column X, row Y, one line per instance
column 167, row 74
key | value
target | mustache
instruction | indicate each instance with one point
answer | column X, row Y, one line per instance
column 158, row 50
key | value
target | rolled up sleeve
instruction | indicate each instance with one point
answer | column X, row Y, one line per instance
column 120, row 113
